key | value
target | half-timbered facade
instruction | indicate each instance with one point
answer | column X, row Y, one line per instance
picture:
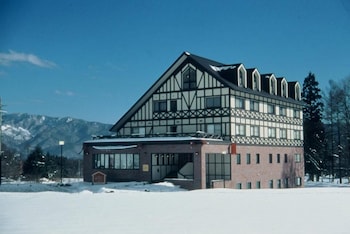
column 258, row 117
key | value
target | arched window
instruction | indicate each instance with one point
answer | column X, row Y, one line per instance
column 272, row 85
column 256, row 81
column 284, row 88
column 240, row 78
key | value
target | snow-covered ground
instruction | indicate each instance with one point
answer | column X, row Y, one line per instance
column 136, row 207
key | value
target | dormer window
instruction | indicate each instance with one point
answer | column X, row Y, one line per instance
column 297, row 92
column 284, row 88
column 255, row 82
column 272, row 85
column 189, row 79
column 241, row 77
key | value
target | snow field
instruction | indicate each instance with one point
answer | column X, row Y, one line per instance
column 129, row 208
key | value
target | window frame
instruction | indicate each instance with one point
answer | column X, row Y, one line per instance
column 240, row 129
column 254, row 106
column 189, row 79
column 160, row 106
column 213, row 102
column 240, row 103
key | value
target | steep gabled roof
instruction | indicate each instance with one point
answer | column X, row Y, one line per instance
column 212, row 67
column 149, row 92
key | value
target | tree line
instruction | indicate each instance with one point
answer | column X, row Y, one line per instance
column 38, row 165
column 327, row 128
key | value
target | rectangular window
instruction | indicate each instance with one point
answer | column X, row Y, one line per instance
column 286, row 182
column 173, row 129
column 240, row 130
column 270, row 158
column 298, row 181
column 111, row 161
column 258, row 184
column 189, row 79
column 249, row 185
column 129, row 161
column 297, row 158
column 123, row 161
column 283, row 111
column 271, row 132
column 218, row 167
column 248, row 158
column 213, row 102
column 285, row 158
column 239, row 103
column 278, row 158
column 257, row 158
column 238, row 186
column 270, row 109
column 283, row 133
column 159, row 106
column 238, row 159
column 296, row 114
column 254, row 105
column 214, row 129
column 173, row 105
column 254, row 131
column 136, row 161
column 297, row 134
column 271, row 184
column 117, row 161
column 279, row 184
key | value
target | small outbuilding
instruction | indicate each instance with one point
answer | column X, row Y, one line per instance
column 99, row 178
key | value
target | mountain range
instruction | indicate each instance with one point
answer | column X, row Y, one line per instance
column 23, row 132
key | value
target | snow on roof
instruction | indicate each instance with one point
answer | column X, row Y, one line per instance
column 221, row 68
column 151, row 139
column 119, row 147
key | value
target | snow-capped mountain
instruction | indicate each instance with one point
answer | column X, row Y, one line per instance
column 23, row 132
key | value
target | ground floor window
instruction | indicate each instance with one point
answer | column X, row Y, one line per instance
column 258, row 184
column 218, row 167
column 298, row 181
column 116, row 161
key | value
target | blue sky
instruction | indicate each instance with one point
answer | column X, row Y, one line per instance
column 94, row 59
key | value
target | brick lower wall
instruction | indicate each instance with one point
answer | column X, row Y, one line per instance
column 248, row 175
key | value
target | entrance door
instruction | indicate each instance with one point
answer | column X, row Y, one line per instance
column 169, row 164
column 158, row 167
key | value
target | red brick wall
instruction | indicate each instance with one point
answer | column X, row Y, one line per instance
column 266, row 171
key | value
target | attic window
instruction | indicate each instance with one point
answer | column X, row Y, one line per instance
column 256, row 82
column 189, row 79
column 272, row 85
column 284, row 88
column 240, row 79
column 297, row 92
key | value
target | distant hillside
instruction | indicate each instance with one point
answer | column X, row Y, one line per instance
column 23, row 132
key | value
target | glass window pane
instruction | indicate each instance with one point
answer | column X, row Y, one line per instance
column 136, row 161
column 129, row 161
column 122, row 161
column 117, row 161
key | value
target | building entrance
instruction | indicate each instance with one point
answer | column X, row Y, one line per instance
column 170, row 164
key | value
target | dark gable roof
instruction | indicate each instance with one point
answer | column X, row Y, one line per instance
column 204, row 64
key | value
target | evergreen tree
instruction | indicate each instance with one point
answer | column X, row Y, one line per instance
column 314, row 132
column 34, row 165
